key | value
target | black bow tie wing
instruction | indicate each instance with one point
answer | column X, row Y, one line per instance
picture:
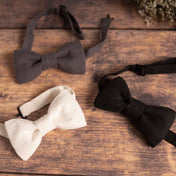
column 27, row 65
column 69, row 58
column 114, row 95
column 153, row 121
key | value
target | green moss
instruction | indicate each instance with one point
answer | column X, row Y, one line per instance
column 157, row 10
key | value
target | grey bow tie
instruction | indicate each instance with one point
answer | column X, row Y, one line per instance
column 70, row 58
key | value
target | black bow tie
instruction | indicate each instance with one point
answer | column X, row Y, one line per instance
column 70, row 58
column 153, row 121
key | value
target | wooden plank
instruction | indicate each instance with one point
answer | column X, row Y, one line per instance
column 109, row 145
column 6, row 174
column 18, row 13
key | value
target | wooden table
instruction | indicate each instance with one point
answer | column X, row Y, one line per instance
column 108, row 145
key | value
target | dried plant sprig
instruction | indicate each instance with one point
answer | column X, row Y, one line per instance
column 157, row 10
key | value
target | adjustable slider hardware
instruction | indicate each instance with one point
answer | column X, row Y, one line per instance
column 20, row 114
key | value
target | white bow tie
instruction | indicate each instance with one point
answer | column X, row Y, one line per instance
column 64, row 112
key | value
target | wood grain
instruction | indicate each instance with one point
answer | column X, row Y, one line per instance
column 17, row 14
column 7, row 174
column 109, row 145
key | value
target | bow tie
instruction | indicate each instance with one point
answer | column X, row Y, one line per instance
column 29, row 65
column 69, row 58
column 64, row 113
column 153, row 121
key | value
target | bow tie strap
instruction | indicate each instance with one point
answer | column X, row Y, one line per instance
column 69, row 19
column 104, row 78
column 105, row 24
column 167, row 66
column 171, row 138
column 42, row 100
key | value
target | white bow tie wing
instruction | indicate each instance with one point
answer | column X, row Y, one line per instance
column 70, row 114
column 24, row 137
column 64, row 112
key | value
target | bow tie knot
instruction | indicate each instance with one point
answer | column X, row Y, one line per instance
column 45, row 125
column 48, row 61
column 134, row 109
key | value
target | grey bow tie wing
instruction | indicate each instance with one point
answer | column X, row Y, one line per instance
column 69, row 58
column 27, row 65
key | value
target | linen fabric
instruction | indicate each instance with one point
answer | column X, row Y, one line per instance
column 70, row 58
column 64, row 113
column 153, row 122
